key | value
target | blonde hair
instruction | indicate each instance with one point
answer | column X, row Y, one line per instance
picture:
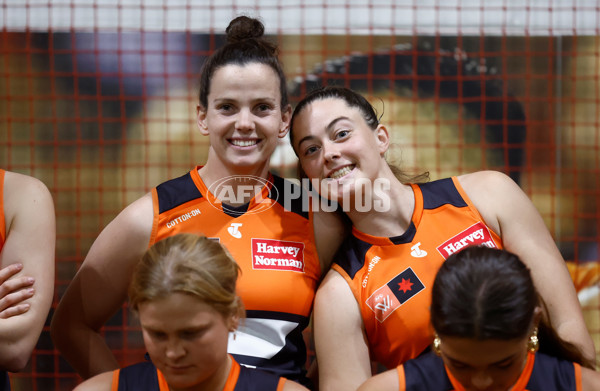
column 190, row 264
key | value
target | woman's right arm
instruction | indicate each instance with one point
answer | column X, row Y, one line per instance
column 101, row 382
column 340, row 343
column 385, row 381
column 100, row 288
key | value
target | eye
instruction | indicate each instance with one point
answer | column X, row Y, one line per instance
column 341, row 134
column 157, row 335
column 263, row 107
column 504, row 365
column 225, row 107
column 310, row 150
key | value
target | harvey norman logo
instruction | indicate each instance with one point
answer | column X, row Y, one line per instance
column 476, row 235
column 269, row 254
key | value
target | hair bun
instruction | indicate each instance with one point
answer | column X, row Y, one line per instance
column 242, row 28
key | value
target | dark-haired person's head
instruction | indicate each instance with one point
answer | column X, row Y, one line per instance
column 245, row 45
column 487, row 317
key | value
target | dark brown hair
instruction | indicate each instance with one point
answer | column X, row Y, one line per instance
column 484, row 293
column 245, row 45
column 354, row 100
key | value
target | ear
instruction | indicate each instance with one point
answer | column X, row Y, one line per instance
column 234, row 322
column 286, row 116
column 201, row 119
column 383, row 139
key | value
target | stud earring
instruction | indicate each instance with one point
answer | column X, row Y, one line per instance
column 436, row 345
column 534, row 343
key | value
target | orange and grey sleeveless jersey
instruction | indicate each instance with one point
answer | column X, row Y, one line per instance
column 391, row 277
column 145, row 376
column 541, row 373
column 2, row 222
column 272, row 240
column 4, row 379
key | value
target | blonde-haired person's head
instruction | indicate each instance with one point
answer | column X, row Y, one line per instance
column 189, row 264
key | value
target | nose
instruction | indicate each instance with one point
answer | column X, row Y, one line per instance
column 244, row 121
column 330, row 151
column 481, row 380
column 175, row 350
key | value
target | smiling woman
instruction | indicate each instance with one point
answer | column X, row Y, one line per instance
column 243, row 110
column 184, row 292
column 363, row 309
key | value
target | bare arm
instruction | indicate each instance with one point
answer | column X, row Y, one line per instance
column 100, row 288
column 30, row 242
column 340, row 343
column 590, row 380
column 385, row 381
column 14, row 292
column 101, row 382
column 509, row 212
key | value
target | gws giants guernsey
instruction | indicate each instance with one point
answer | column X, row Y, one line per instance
column 274, row 247
column 2, row 222
column 145, row 376
column 541, row 373
column 391, row 277
column 4, row 380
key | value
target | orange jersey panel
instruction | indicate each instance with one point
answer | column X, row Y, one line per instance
column 272, row 240
column 391, row 277
column 2, row 222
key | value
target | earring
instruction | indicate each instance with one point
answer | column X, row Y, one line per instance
column 533, row 344
column 436, row 345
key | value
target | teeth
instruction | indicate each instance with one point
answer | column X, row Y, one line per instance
column 244, row 143
column 341, row 172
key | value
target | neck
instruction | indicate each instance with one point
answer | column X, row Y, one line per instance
column 394, row 214
column 214, row 383
column 215, row 169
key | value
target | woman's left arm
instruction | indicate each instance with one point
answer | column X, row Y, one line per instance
column 510, row 213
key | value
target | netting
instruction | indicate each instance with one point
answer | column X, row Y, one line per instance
column 97, row 99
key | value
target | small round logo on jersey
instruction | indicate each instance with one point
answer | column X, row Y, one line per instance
column 242, row 194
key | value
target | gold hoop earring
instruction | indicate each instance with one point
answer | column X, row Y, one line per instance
column 534, row 343
column 436, row 345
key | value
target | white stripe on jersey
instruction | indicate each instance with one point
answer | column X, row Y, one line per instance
column 262, row 338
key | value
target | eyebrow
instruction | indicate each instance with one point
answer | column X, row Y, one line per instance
column 327, row 128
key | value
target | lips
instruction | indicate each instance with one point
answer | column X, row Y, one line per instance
column 337, row 174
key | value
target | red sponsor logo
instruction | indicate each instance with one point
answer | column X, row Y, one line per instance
column 476, row 235
column 269, row 254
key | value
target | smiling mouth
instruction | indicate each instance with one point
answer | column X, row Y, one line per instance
column 244, row 143
column 341, row 172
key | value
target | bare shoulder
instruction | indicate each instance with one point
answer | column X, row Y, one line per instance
column 485, row 181
column 590, row 379
column 290, row 385
column 23, row 192
column 386, row 381
column 101, row 382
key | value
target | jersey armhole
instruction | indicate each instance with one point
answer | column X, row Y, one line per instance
column 281, row 383
column 578, row 380
column 114, row 385
column 155, row 215
column 340, row 270
column 401, row 378
column 472, row 207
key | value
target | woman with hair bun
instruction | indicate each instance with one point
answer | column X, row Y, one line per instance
column 282, row 247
